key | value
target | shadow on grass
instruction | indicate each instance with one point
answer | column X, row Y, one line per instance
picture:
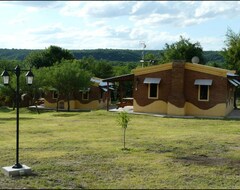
column 204, row 160
column 126, row 149
column 211, row 157
column 64, row 115
column 14, row 118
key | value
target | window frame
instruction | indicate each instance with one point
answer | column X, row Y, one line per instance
column 55, row 95
column 199, row 93
column 149, row 91
column 83, row 93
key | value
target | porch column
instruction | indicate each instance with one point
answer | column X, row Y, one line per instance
column 120, row 93
column 107, row 96
column 235, row 98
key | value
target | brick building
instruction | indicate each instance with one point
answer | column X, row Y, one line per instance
column 95, row 97
column 181, row 88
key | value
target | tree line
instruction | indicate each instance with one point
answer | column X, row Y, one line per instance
column 115, row 56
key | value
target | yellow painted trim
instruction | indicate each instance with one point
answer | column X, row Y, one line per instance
column 75, row 104
column 174, row 110
column 189, row 66
column 91, row 105
column 49, row 105
column 155, row 107
column 229, row 107
column 208, row 69
column 161, row 107
column 152, row 69
column 218, row 110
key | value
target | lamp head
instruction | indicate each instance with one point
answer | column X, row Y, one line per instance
column 5, row 77
column 29, row 77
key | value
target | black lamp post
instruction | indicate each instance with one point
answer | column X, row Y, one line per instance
column 29, row 81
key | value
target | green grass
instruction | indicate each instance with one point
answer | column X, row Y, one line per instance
column 84, row 150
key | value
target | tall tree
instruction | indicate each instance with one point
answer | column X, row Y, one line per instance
column 184, row 50
column 8, row 93
column 232, row 51
column 102, row 69
column 47, row 57
column 68, row 78
column 41, row 83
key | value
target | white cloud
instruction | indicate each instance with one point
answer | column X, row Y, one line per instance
column 210, row 9
column 36, row 4
column 97, row 9
column 155, row 20
column 112, row 24
column 46, row 30
column 211, row 43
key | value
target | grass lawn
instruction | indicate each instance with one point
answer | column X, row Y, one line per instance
column 84, row 150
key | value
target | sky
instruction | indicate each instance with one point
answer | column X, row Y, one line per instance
column 116, row 24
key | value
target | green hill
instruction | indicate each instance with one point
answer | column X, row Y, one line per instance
column 123, row 55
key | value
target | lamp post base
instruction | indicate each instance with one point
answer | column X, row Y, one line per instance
column 16, row 166
column 13, row 172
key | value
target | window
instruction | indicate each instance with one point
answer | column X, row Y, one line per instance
column 55, row 95
column 152, row 87
column 153, row 91
column 85, row 95
column 203, row 88
column 203, row 93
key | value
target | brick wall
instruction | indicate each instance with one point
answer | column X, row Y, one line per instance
column 176, row 96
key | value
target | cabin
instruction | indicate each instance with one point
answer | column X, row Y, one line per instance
column 184, row 89
column 94, row 97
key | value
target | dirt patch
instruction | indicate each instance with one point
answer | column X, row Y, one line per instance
column 209, row 161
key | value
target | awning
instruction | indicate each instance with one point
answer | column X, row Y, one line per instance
column 151, row 80
column 105, row 89
column 127, row 77
column 206, row 82
column 234, row 82
column 231, row 75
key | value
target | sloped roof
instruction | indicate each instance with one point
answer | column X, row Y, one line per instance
column 99, row 81
column 127, row 77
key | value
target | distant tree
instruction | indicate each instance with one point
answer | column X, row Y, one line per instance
column 47, row 57
column 232, row 51
column 121, row 70
column 8, row 93
column 9, row 64
column 99, row 68
column 56, row 54
column 41, row 83
column 182, row 50
column 150, row 59
column 102, row 69
column 68, row 78
column 87, row 63
column 216, row 64
column 213, row 56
